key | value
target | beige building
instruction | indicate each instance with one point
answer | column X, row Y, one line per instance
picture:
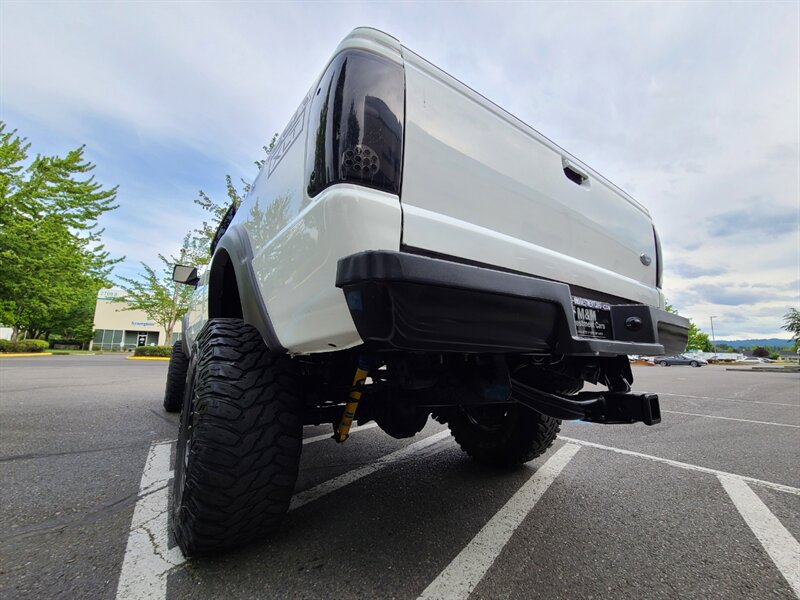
column 119, row 329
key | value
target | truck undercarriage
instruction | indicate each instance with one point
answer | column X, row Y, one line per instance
column 399, row 390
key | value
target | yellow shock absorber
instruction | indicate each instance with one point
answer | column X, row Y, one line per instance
column 343, row 431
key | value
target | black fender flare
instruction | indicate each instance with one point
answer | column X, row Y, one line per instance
column 234, row 252
column 187, row 350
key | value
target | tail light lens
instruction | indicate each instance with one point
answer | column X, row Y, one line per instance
column 355, row 132
column 659, row 260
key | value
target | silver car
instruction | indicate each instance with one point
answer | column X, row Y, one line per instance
column 680, row 359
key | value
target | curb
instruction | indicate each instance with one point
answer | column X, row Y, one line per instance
column 765, row 369
column 16, row 354
column 147, row 358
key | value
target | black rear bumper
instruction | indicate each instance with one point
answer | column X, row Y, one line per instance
column 411, row 302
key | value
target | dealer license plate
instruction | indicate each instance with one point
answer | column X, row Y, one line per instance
column 592, row 318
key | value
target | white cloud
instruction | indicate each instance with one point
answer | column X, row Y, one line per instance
column 692, row 109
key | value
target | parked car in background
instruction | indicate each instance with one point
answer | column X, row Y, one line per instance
column 754, row 360
column 680, row 359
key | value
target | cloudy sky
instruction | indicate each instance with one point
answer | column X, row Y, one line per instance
column 693, row 108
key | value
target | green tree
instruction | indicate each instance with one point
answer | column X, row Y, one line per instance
column 791, row 323
column 198, row 249
column 162, row 300
column 50, row 252
column 267, row 149
column 78, row 322
column 45, row 280
column 698, row 340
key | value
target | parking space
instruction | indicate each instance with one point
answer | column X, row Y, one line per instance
column 696, row 506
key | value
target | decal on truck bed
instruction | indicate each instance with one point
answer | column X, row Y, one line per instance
column 288, row 137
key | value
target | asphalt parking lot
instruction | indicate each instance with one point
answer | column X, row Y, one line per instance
column 706, row 504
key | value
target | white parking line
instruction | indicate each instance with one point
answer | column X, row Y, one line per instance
column 782, row 548
column 326, row 487
column 690, row 467
column 329, row 436
column 723, row 399
column 677, row 412
column 148, row 559
column 467, row 569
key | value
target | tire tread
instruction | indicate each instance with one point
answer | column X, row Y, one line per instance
column 246, row 444
column 176, row 378
column 529, row 435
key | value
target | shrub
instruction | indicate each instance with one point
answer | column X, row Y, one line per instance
column 153, row 351
column 23, row 346
column 69, row 344
column 35, row 345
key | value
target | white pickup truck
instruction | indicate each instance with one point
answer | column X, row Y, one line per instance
column 408, row 250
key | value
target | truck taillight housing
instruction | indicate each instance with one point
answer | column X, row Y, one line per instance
column 659, row 260
column 355, row 132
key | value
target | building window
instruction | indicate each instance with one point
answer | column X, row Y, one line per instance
column 128, row 339
column 107, row 339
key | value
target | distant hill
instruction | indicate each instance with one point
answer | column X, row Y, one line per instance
column 760, row 342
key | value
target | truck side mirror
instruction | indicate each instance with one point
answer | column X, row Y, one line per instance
column 185, row 274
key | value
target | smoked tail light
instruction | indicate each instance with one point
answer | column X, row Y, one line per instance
column 659, row 260
column 355, row 132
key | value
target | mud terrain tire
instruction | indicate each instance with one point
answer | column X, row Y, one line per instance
column 176, row 378
column 503, row 435
column 239, row 443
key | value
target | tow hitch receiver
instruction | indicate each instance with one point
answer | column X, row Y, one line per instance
column 597, row 407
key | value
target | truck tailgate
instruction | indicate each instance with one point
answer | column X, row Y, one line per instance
column 479, row 184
